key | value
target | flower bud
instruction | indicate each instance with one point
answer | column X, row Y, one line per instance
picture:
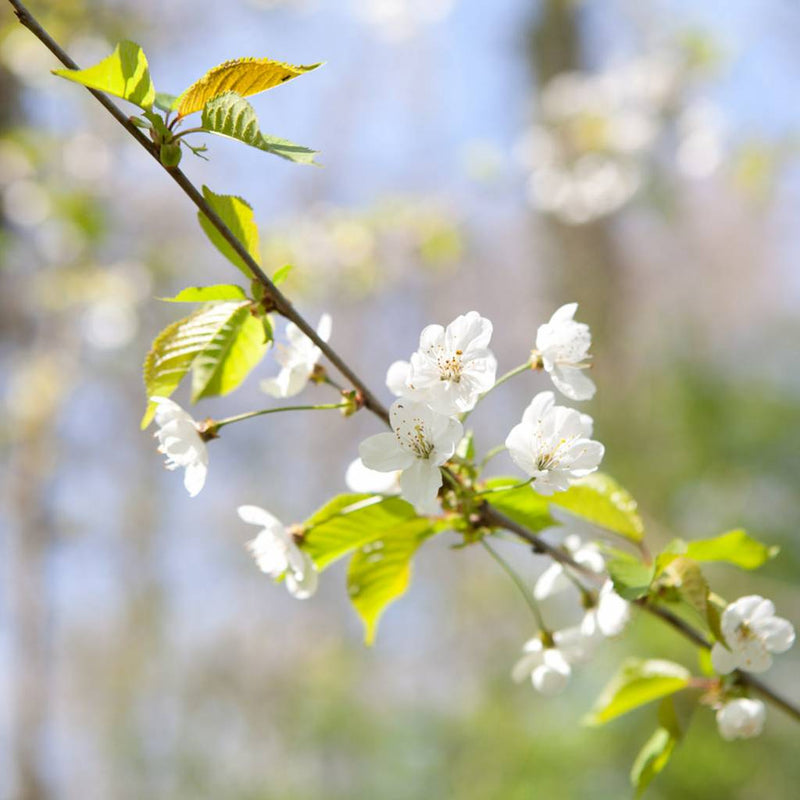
column 170, row 154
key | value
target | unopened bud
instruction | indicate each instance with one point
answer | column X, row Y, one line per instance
column 170, row 154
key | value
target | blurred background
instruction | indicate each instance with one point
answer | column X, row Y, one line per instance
column 637, row 156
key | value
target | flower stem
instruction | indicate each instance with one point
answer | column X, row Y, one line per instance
column 503, row 488
column 221, row 423
column 529, row 598
column 495, row 451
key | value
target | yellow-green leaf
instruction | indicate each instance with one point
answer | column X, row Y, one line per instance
column 207, row 294
column 237, row 214
column 245, row 76
column 380, row 572
column 123, row 74
column 351, row 521
column 600, row 500
column 232, row 116
column 658, row 749
column 230, row 356
column 638, row 682
column 176, row 349
column 522, row 504
column 734, row 547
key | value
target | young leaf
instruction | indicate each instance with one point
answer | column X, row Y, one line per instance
column 231, row 115
column 734, row 547
column 380, row 572
column 523, row 505
column 631, row 577
column 600, row 500
column 281, row 274
column 638, row 682
column 655, row 754
column 123, row 74
column 230, row 356
column 179, row 345
column 207, row 294
column 165, row 102
column 245, row 76
column 352, row 521
column 238, row 216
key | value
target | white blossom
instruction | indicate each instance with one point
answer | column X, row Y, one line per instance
column 752, row 633
column 361, row 479
column 277, row 554
column 554, row 580
column 563, row 345
column 552, row 445
column 550, row 668
column 180, row 441
column 741, row 719
column 297, row 360
column 453, row 366
column 609, row 616
column 420, row 442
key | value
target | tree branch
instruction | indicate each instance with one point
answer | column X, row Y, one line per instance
column 489, row 515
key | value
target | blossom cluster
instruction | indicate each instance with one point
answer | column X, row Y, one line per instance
column 588, row 152
column 436, row 388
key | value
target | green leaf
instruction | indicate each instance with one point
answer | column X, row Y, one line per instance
column 523, row 504
column 245, row 76
column 638, row 682
column 734, row 547
column 238, row 216
column 232, row 116
column 123, row 74
column 380, row 572
column 206, row 294
column 351, row 521
column 230, row 356
column 281, row 274
column 166, row 102
column 203, row 337
column 631, row 577
column 658, row 749
column 600, row 500
column 684, row 577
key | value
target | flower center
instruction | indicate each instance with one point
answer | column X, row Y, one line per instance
column 548, row 459
column 449, row 364
column 414, row 438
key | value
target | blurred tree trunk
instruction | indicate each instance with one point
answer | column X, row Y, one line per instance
column 585, row 266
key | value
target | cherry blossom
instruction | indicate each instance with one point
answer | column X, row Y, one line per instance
column 180, row 441
column 277, row 554
column 297, row 360
column 741, row 719
column 420, row 442
column 563, row 345
column 552, row 445
column 752, row 633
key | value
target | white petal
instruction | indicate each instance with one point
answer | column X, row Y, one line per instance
column 613, row 614
column 254, row 515
column 397, row 378
column 195, row 478
column 303, row 584
column 382, row 452
column 724, row 660
column 741, row 719
column 324, row 327
column 552, row 581
column 573, row 382
column 360, row 478
column 539, row 407
column 525, row 666
column 552, row 677
column 776, row 633
column 419, row 484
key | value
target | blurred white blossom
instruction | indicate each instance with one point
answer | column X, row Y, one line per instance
column 752, row 633
column 277, row 555
column 741, row 719
column 180, row 441
column 563, row 345
column 297, row 360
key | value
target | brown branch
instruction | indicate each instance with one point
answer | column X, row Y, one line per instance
column 282, row 304
column 490, row 516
